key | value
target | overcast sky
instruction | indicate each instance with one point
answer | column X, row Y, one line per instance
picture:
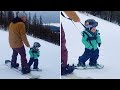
column 47, row 16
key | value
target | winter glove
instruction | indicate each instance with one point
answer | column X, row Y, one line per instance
column 99, row 44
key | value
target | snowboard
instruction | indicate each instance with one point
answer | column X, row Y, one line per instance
column 90, row 67
column 73, row 76
column 18, row 70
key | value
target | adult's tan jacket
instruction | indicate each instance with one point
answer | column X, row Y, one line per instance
column 72, row 15
column 17, row 35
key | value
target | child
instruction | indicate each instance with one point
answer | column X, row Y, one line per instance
column 34, row 54
column 91, row 39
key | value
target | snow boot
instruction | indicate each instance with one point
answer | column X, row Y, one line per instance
column 96, row 65
column 25, row 70
column 67, row 69
column 14, row 65
column 36, row 68
column 82, row 65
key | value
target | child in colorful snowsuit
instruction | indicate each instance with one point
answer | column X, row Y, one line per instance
column 91, row 39
column 34, row 54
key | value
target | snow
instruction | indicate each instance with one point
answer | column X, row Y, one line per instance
column 49, row 60
column 53, row 24
column 109, row 50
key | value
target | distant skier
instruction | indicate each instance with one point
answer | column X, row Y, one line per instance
column 66, row 68
column 17, row 39
column 91, row 39
column 34, row 54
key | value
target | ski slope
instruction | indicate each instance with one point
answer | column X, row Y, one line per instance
column 49, row 60
column 109, row 50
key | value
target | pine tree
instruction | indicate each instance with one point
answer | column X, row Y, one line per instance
column 29, row 24
column 10, row 16
column 1, row 19
column 17, row 13
column 34, row 19
column 41, row 21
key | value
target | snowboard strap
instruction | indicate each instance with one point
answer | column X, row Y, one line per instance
column 88, row 39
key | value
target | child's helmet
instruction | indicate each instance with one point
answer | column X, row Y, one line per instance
column 90, row 23
column 36, row 44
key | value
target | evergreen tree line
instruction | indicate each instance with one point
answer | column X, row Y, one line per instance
column 34, row 26
column 112, row 16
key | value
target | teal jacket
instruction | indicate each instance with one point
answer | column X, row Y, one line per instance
column 34, row 54
column 94, row 42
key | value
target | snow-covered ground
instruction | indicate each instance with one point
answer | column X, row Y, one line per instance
column 53, row 24
column 109, row 50
column 49, row 60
